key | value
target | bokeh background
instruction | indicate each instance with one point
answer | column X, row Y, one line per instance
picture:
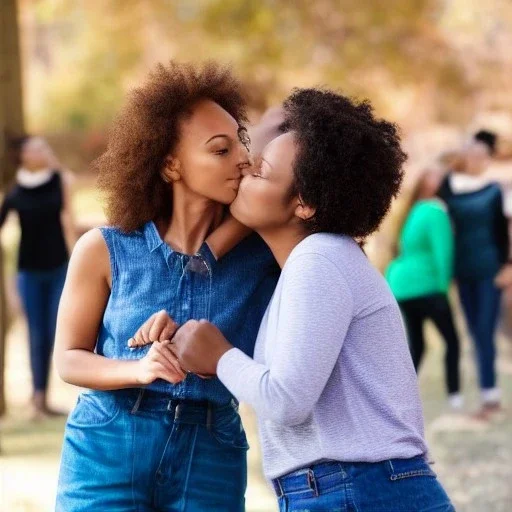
column 440, row 68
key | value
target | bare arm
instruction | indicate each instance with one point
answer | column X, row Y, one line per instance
column 81, row 310
column 4, row 210
column 227, row 236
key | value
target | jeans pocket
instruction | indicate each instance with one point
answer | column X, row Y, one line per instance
column 399, row 469
column 94, row 409
column 229, row 431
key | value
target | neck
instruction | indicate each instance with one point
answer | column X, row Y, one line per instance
column 282, row 242
column 193, row 219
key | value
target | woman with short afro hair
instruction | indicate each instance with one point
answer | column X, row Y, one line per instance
column 146, row 435
column 332, row 381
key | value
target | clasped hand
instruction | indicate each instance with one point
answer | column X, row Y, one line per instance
column 195, row 347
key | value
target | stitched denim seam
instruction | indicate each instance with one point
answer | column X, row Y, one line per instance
column 189, row 467
column 307, row 490
column 417, row 472
column 103, row 424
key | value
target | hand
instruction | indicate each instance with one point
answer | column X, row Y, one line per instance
column 199, row 345
column 158, row 327
column 159, row 363
column 504, row 277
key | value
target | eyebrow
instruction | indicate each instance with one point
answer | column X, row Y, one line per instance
column 218, row 136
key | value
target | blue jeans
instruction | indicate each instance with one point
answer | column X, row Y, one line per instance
column 135, row 450
column 398, row 485
column 40, row 293
column 480, row 301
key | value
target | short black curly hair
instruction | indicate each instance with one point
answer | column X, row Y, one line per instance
column 349, row 163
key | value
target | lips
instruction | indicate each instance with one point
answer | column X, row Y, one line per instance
column 235, row 182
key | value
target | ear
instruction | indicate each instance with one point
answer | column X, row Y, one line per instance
column 303, row 211
column 171, row 170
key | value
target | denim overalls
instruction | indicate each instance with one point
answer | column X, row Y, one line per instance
column 166, row 447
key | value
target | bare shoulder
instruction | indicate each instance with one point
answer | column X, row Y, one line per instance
column 90, row 255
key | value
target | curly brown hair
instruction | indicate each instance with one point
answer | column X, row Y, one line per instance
column 147, row 130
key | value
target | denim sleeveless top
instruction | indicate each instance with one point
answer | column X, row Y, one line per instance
column 148, row 276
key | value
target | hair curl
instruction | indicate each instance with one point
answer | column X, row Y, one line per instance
column 147, row 130
column 349, row 163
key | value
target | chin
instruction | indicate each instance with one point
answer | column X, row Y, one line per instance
column 225, row 198
column 234, row 210
column 238, row 213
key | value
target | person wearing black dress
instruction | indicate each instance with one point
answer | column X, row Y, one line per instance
column 40, row 197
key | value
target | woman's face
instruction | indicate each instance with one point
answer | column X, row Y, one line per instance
column 429, row 184
column 478, row 158
column 264, row 200
column 210, row 156
column 35, row 154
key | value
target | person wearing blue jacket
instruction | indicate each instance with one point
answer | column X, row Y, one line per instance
column 481, row 248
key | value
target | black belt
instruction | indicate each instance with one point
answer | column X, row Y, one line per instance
column 182, row 410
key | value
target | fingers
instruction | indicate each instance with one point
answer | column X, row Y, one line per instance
column 143, row 333
column 162, row 328
column 164, row 357
column 140, row 338
column 158, row 327
column 163, row 372
column 170, row 358
column 176, row 353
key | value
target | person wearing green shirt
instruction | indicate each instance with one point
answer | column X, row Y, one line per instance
column 420, row 277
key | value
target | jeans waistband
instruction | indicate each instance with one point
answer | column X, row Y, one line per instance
column 140, row 400
column 305, row 478
column 313, row 478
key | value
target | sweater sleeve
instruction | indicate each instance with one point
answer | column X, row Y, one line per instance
column 315, row 311
column 442, row 244
column 501, row 230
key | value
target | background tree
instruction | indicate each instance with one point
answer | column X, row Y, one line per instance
column 11, row 124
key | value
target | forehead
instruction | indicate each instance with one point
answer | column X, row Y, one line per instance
column 34, row 143
column 207, row 119
column 478, row 148
column 281, row 152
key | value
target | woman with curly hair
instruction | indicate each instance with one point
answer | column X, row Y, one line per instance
column 332, row 380
column 145, row 435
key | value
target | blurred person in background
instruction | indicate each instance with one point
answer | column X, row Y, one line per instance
column 41, row 198
column 421, row 274
column 475, row 206
column 270, row 126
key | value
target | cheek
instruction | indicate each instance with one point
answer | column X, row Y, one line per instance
column 208, row 176
column 258, row 203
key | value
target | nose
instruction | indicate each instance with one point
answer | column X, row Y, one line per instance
column 244, row 157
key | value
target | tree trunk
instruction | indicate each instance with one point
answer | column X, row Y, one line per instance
column 11, row 125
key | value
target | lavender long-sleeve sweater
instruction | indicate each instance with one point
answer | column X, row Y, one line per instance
column 332, row 377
